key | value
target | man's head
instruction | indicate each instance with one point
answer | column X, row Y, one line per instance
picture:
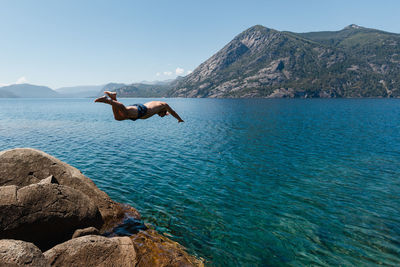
column 162, row 113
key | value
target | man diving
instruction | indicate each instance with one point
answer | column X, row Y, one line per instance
column 136, row 111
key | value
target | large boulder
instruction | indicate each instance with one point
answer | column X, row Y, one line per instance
column 45, row 201
column 25, row 166
column 45, row 214
column 154, row 249
column 93, row 250
column 19, row 253
column 8, row 195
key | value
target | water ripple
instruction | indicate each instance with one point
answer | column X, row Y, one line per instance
column 251, row 182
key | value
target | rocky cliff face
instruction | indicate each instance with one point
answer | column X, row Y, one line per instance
column 262, row 62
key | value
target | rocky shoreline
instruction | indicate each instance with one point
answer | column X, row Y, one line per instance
column 53, row 215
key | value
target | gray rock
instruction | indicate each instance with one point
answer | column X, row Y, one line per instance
column 45, row 214
column 93, row 250
column 20, row 253
column 8, row 195
column 25, row 166
column 49, row 180
column 86, row 231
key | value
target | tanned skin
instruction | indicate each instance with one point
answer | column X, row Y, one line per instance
column 121, row 112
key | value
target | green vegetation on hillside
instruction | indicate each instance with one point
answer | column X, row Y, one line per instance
column 261, row 62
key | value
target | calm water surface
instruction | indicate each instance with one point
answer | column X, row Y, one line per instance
column 242, row 182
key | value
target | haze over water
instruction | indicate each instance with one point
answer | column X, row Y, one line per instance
column 243, row 182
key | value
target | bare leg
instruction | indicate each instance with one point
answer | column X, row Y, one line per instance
column 102, row 99
column 119, row 109
column 112, row 95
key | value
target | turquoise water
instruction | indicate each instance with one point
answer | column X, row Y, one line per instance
column 243, row 182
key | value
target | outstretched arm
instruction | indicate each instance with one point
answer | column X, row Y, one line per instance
column 173, row 113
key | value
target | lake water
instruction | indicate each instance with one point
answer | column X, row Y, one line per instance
column 243, row 182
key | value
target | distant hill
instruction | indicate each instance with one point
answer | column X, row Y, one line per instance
column 6, row 94
column 156, row 89
column 111, row 87
column 27, row 90
column 262, row 62
column 143, row 90
column 80, row 91
column 157, row 82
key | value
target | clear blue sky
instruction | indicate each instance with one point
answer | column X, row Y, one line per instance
column 66, row 42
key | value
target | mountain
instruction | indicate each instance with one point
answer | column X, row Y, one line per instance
column 80, row 91
column 262, row 62
column 27, row 90
column 156, row 89
column 111, row 87
column 158, row 82
column 6, row 94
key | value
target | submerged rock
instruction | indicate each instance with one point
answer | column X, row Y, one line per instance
column 45, row 214
column 93, row 250
column 20, row 253
column 154, row 249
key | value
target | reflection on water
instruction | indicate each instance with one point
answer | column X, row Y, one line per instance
column 247, row 182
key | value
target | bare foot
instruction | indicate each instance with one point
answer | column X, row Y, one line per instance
column 112, row 95
column 102, row 99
